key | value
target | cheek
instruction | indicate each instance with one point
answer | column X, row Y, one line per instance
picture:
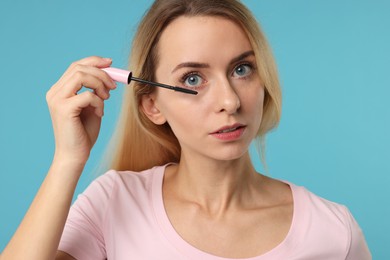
column 253, row 101
column 252, row 109
column 182, row 115
column 186, row 127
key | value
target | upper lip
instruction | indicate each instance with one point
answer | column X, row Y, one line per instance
column 237, row 125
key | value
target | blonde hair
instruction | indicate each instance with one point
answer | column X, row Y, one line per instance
column 139, row 144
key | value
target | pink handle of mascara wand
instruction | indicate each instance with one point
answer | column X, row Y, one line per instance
column 119, row 75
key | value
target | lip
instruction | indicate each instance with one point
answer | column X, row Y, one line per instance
column 225, row 135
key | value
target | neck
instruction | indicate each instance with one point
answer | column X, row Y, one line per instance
column 215, row 186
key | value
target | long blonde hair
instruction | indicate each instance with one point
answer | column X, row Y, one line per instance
column 139, row 144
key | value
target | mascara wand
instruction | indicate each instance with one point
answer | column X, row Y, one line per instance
column 126, row 77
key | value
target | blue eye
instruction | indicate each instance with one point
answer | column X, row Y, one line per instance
column 192, row 81
column 242, row 70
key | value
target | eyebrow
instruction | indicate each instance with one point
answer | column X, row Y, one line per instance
column 206, row 65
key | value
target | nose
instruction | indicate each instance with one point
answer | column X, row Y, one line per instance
column 227, row 99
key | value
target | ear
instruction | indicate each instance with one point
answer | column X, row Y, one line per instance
column 148, row 106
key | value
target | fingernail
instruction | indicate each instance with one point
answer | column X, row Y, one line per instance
column 108, row 59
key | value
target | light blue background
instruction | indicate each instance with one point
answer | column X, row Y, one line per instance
column 334, row 62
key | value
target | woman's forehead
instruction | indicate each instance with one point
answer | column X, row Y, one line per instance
column 202, row 38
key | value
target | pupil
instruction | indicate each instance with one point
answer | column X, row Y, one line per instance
column 193, row 80
column 240, row 70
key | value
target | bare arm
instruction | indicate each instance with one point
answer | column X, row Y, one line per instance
column 40, row 231
column 76, row 123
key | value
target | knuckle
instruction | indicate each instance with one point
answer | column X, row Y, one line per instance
column 78, row 66
column 48, row 96
column 79, row 74
column 74, row 64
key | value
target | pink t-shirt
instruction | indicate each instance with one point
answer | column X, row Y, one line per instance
column 121, row 215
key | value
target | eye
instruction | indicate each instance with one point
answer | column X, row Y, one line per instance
column 192, row 80
column 242, row 70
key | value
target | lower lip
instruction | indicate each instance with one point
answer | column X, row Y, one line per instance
column 230, row 136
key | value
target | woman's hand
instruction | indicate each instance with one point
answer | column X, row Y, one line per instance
column 76, row 121
column 77, row 116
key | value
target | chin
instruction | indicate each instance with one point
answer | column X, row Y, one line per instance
column 231, row 155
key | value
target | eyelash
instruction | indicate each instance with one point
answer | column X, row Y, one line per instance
column 186, row 75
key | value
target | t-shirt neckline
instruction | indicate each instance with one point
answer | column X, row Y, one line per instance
column 190, row 251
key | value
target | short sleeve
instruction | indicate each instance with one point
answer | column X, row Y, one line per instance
column 82, row 237
column 358, row 249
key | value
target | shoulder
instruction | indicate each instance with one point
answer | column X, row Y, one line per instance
column 307, row 203
column 319, row 204
column 317, row 208
column 116, row 191
column 114, row 185
column 130, row 179
column 328, row 221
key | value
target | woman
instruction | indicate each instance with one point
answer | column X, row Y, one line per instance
column 183, row 186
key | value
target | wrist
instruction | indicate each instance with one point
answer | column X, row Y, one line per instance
column 69, row 164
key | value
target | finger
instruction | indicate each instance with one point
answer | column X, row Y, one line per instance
column 87, row 99
column 93, row 61
column 83, row 78
column 97, row 72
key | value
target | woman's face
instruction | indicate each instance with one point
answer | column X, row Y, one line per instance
column 213, row 56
